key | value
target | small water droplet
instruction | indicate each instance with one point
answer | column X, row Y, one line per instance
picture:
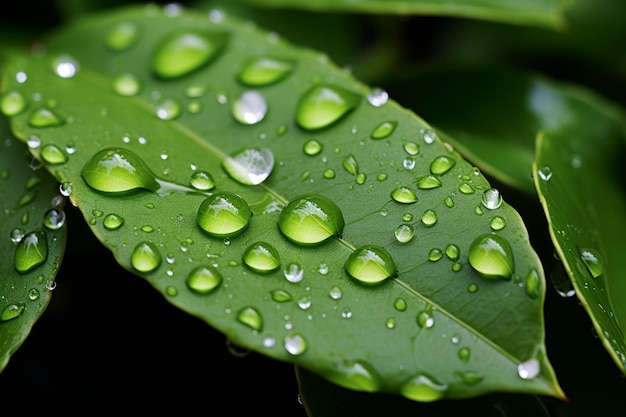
column 466, row 188
column 250, row 317
column 324, row 105
column 404, row 194
column 249, row 108
column 377, row 97
column 529, row 369
column 449, row 202
column 250, row 166
column 335, row 293
column 17, row 234
column 497, row 223
column 224, row 215
column 472, row 288
column 65, row 67
column 350, row 164
column 441, row 165
column 383, row 130
column 261, row 257
column 11, row 311
column 411, row 148
column 329, row 174
column 263, row 70
column 357, row 375
column 435, row 254
column 145, row 257
column 464, row 354
column 295, row 344
column 31, row 251
column 293, row 272
column 491, row 256
column 561, row 282
column 593, row 261
column 408, row 163
column 400, row 304
column 429, row 136
column 452, row 252
column 281, row 296
column 370, row 265
column 127, row 85
column 470, row 377
column 116, row 170
column 54, row 218
column 491, row 199
column 122, row 36
column 424, row 388
column 425, row 318
column 202, row 180
column 112, row 221
column 185, row 51
column 310, row 219
column 33, row 294
column 12, row 103
column 203, row 280
column 168, row 109
column 404, row 233
column 312, row 147
column 428, row 182
column 429, row 218
column 52, row 155
column 44, row 117
column 545, row 173
column 533, row 283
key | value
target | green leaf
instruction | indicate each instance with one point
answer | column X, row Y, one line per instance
column 519, row 12
column 580, row 180
column 32, row 244
column 249, row 213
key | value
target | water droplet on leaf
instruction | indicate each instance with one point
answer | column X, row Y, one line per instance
column 310, row 219
column 370, row 264
column 202, row 180
column 424, row 388
column 383, row 130
column 529, row 369
column 12, row 103
column 428, row 182
column 116, row 170
column 224, row 215
column 145, row 257
column 11, row 312
column 54, row 218
column 261, row 257
column 122, row 36
column 323, row 105
column 31, row 251
column 203, row 280
column 44, row 117
column 250, row 317
column 52, row 155
column 593, row 261
column 404, row 233
column 491, row 199
column 441, row 165
column 126, row 85
column 262, row 70
column 312, row 147
column 404, row 194
column 250, row 166
column 356, row 375
column 491, row 256
column 112, row 221
column 249, row 108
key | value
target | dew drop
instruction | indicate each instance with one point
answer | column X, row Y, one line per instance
column 250, row 166
column 350, row 164
column 145, row 257
column 44, row 117
column 424, row 388
column 12, row 103
column 411, row 148
column 561, row 282
column 224, row 215
column 249, row 108
column 263, row 70
column 429, row 218
column 54, row 218
column 452, row 252
column 126, row 85
column 183, row 52
column 53, row 155
column 357, row 375
column 168, row 109
column 17, row 234
column 335, row 293
column 428, row 136
column 464, row 354
column 529, row 369
column 491, row 256
column 11, row 311
column 31, row 251
column 33, row 294
column 377, row 97
column 293, row 272
column 281, row 296
column 116, row 170
column 329, row 174
column 593, row 261
column 466, row 188
column 250, row 316
column 370, row 264
column 312, row 147
column 497, row 223
column 441, row 165
column 449, row 202
column 404, row 194
column 122, row 36
column 203, row 280
column 323, row 105
column 261, row 257
column 472, row 288
column 65, row 67
column 491, row 199
column 428, row 182
column 383, row 130
column 545, row 173
column 425, row 319
column 202, row 180
column 295, row 344
column 112, row 221
column 310, row 219
column 400, row 304
column 65, row 188
column 471, row 377
column 532, row 283
column 435, row 254
column 404, row 233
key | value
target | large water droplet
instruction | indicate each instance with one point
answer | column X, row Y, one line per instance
column 350, row 164
column 249, row 108
column 185, row 51
column 122, row 36
column 497, row 223
column 377, row 97
column 126, row 85
column 593, row 261
column 262, row 70
column 491, row 256
column 12, row 103
column 357, row 375
column 145, row 257
column 250, row 317
column 428, row 182
column 532, row 283
column 168, row 109
column 404, row 195
column 429, row 218
column 404, row 233
column 202, row 180
column 425, row 318
column 261, row 257
column 52, row 154
column 310, row 219
column 11, row 312
column 54, row 218
column 44, row 117
column 293, row 272
column 112, row 221
column 224, row 215
column 383, row 130
column 370, row 264
column 31, row 251
column 441, row 165
column 529, row 369
column 491, row 199
column 116, row 170
column 250, row 166
column 424, row 388
column 545, row 173
column 323, row 105
column 295, row 344
column 203, row 279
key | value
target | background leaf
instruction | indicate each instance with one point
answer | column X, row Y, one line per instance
column 27, row 194
column 327, row 309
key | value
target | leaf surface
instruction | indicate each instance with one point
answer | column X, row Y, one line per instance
column 421, row 321
column 521, row 12
column 32, row 244
column 580, row 179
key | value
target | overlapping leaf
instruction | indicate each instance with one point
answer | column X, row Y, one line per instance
column 32, row 244
column 371, row 184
